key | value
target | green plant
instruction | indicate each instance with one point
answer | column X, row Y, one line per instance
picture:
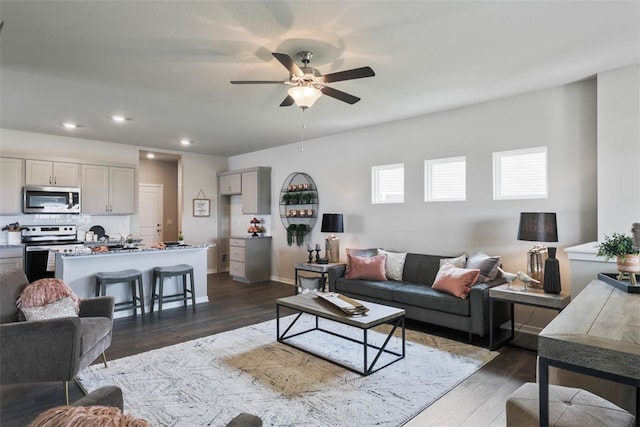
column 617, row 245
column 286, row 198
column 13, row 227
column 301, row 230
column 180, row 236
column 291, row 233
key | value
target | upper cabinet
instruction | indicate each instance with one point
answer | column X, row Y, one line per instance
column 256, row 191
column 60, row 174
column 11, row 182
column 253, row 184
column 230, row 184
column 108, row 190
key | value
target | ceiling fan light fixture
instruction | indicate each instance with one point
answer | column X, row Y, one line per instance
column 304, row 96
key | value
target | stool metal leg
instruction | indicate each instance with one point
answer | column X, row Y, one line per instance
column 193, row 292
column 132, row 285
column 153, row 291
column 141, row 295
column 161, row 294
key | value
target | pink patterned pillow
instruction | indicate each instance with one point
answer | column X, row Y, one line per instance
column 43, row 291
column 369, row 268
column 455, row 281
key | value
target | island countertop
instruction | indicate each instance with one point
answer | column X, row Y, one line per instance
column 78, row 270
column 134, row 250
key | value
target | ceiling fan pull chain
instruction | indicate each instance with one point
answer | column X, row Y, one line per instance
column 302, row 131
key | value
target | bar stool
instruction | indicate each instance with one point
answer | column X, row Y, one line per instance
column 125, row 276
column 161, row 273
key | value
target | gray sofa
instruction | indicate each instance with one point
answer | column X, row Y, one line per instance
column 420, row 302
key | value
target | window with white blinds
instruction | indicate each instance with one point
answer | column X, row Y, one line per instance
column 520, row 174
column 445, row 179
column 387, row 183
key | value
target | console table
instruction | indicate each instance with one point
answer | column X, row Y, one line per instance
column 598, row 335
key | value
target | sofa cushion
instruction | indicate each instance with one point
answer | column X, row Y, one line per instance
column 394, row 265
column 426, row 297
column 455, row 281
column 369, row 268
column 375, row 289
column 420, row 268
column 64, row 307
column 93, row 329
column 488, row 266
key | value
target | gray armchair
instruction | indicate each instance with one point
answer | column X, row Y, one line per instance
column 50, row 350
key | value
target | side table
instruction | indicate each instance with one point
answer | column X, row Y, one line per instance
column 323, row 269
column 517, row 295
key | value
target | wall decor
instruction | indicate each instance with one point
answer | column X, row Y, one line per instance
column 298, row 206
column 201, row 205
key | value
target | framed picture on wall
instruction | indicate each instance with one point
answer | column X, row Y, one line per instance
column 201, row 207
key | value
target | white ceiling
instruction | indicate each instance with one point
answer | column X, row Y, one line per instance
column 167, row 64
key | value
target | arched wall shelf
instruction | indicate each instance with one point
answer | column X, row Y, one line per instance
column 299, row 201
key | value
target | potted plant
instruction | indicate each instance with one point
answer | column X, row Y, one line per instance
column 620, row 246
column 180, row 238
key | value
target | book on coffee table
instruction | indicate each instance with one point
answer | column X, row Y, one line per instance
column 346, row 304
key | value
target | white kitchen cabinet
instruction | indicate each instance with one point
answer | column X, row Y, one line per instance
column 250, row 259
column 230, row 184
column 256, row 191
column 11, row 182
column 11, row 258
column 108, row 190
column 59, row 174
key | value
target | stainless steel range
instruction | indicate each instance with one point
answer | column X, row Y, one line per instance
column 41, row 244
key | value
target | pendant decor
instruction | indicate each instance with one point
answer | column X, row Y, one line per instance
column 298, row 206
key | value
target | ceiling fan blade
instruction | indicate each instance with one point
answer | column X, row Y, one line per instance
column 338, row 94
column 287, row 102
column 257, row 82
column 288, row 63
column 356, row 73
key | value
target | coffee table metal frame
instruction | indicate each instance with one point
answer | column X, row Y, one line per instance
column 329, row 313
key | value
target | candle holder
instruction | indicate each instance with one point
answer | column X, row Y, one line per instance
column 310, row 255
column 317, row 255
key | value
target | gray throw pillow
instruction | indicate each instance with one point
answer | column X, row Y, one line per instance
column 310, row 284
column 488, row 266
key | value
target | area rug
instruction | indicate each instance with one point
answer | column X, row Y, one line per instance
column 208, row 381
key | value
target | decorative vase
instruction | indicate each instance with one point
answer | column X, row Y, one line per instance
column 631, row 263
column 551, row 284
column 14, row 237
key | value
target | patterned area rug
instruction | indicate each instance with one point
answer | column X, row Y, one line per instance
column 208, row 381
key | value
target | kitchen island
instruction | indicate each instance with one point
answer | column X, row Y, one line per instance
column 78, row 270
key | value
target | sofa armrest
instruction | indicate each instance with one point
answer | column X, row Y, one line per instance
column 97, row 307
column 39, row 351
column 104, row 396
column 479, row 306
column 334, row 274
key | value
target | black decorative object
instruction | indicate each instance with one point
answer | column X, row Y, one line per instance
column 310, row 255
column 551, row 282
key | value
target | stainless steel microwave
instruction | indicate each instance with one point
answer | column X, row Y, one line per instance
column 50, row 200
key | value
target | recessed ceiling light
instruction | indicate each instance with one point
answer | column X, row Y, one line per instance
column 150, row 155
column 186, row 141
column 119, row 118
column 70, row 125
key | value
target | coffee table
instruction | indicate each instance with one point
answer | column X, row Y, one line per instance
column 377, row 315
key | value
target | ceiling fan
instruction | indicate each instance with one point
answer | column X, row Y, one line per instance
column 308, row 84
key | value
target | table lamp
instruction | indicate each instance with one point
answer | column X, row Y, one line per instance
column 541, row 227
column 332, row 223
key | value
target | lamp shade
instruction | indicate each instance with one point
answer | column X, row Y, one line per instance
column 538, row 227
column 332, row 223
column 304, row 96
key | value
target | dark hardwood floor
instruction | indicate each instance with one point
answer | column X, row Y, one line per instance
column 234, row 305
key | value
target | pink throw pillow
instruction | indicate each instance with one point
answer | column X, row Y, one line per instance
column 43, row 291
column 369, row 268
column 455, row 281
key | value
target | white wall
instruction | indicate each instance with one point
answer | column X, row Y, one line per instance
column 562, row 118
column 618, row 150
column 198, row 172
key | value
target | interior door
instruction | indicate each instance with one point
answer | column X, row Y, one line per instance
column 151, row 199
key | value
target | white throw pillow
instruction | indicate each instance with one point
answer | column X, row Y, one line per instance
column 395, row 264
column 64, row 307
column 459, row 262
